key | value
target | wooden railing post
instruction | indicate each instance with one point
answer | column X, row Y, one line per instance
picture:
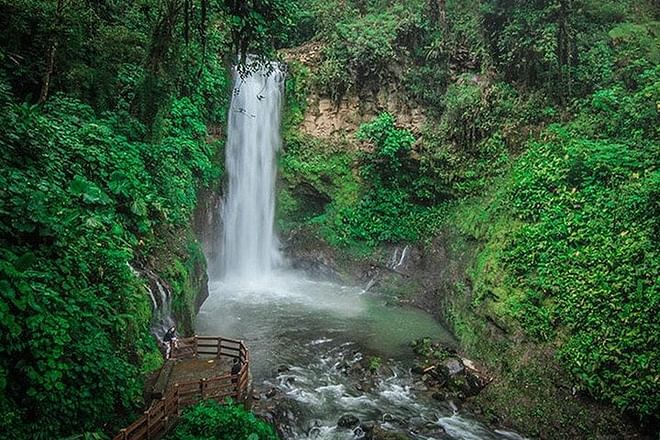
column 163, row 423
column 177, row 399
column 195, row 345
column 147, row 416
column 219, row 346
column 202, row 386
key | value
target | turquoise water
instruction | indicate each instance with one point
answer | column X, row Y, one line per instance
column 318, row 331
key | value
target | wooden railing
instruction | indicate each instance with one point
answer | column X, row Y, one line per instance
column 157, row 420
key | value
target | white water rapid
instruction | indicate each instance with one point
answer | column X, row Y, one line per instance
column 250, row 247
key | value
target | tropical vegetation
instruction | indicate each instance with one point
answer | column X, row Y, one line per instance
column 537, row 152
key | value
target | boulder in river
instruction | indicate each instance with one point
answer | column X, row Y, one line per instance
column 348, row 421
column 454, row 366
column 378, row 433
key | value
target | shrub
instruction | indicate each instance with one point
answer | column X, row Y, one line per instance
column 211, row 420
column 571, row 245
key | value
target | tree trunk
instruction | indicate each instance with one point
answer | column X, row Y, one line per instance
column 202, row 25
column 186, row 22
column 45, row 85
column 564, row 49
column 50, row 56
column 442, row 14
column 438, row 12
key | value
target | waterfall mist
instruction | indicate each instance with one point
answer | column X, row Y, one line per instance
column 250, row 248
column 319, row 331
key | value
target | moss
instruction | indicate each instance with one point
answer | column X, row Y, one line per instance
column 152, row 360
column 531, row 391
column 296, row 91
column 185, row 275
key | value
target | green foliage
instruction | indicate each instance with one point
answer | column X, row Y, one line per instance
column 386, row 211
column 297, row 89
column 211, row 420
column 473, row 141
column 429, row 351
column 369, row 201
column 102, row 174
column 548, row 112
column 571, row 249
column 391, row 145
column 562, row 46
column 360, row 50
column 256, row 25
column 384, row 216
column 315, row 173
column 79, row 201
column 375, row 362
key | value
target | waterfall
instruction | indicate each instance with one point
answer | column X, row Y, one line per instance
column 250, row 246
column 397, row 260
column 161, row 300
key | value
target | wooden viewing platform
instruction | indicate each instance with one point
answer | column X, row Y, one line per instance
column 209, row 356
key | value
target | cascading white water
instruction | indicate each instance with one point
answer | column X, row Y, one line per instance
column 250, row 246
column 316, row 330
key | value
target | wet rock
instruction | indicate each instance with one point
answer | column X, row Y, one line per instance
column 379, row 433
column 454, row 404
column 367, row 427
column 343, row 366
column 314, row 432
column 420, row 386
column 366, row 386
column 389, row 418
column 357, row 369
column 358, row 432
column 473, row 384
column 314, row 423
column 419, row 368
column 348, row 421
column 439, row 396
column 256, row 396
column 437, row 433
column 271, row 393
column 454, row 366
column 316, row 268
column 440, row 375
column 268, row 417
column 282, row 369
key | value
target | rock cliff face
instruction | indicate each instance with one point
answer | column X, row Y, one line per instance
column 325, row 118
column 207, row 225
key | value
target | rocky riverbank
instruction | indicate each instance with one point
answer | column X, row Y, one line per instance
column 447, row 383
column 512, row 382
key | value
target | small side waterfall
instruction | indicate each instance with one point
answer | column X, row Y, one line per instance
column 396, row 260
column 161, row 300
column 250, row 246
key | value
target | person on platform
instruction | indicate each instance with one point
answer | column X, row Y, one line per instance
column 170, row 342
column 235, row 370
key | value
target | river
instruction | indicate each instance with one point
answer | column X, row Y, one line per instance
column 305, row 336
